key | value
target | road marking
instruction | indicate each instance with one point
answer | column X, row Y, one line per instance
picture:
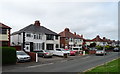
column 38, row 65
column 64, row 61
column 86, row 57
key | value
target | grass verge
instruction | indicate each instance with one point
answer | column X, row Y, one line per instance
column 113, row 66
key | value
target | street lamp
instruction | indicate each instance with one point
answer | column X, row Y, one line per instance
column 104, row 47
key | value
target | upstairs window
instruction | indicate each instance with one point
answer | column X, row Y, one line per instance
column 50, row 37
column 4, row 31
column 37, row 36
column 56, row 37
column 28, row 35
column 71, row 39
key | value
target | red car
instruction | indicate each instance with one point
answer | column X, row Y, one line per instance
column 71, row 52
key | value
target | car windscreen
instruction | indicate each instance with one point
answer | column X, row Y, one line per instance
column 46, row 50
column 21, row 53
column 75, row 48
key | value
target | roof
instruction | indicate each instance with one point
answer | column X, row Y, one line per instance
column 35, row 29
column 68, row 34
column 4, row 26
column 96, row 39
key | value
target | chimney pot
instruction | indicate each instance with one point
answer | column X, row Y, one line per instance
column 37, row 23
column 74, row 33
column 67, row 29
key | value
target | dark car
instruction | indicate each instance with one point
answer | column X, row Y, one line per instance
column 116, row 49
column 45, row 53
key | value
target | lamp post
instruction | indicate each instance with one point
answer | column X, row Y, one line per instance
column 104, row 47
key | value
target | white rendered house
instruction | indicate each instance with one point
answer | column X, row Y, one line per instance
column 35, row 37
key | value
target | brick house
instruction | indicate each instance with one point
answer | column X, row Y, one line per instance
column 99, row 41
column 4, row 35
column 35, row 37
column 69, row 39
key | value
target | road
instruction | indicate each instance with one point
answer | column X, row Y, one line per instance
column 70, row 65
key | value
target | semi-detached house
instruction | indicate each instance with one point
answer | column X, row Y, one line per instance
column 69, row 39
column 4, row 35
column 35, row 37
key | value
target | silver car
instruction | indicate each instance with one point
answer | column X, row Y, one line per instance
column 100, row 52
column 22, row 56
column 45, row 53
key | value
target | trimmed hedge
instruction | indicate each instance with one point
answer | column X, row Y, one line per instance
column 8, row 55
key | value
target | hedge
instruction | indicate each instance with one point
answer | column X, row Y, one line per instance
column 8, row 55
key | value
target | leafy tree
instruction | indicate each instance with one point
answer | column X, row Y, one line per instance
column 92, row 44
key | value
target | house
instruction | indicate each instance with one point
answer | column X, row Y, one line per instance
column 4, row 35
column 70, row 40
column 99, row 41
column 35, row 37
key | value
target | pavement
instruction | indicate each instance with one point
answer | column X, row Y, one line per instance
column 59, row 64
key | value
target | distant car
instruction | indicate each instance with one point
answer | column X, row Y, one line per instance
column 116, row 49
column 100, row 52
column 95, row 49
column 45, row 53
column 22, row 56
column 60, row 52
column 77, row 50
column 71, row 52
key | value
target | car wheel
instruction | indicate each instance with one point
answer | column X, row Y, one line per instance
column 17, row 60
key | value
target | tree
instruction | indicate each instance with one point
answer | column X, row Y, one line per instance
column 92, row 44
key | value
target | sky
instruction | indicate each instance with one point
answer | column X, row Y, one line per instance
column 85, row 18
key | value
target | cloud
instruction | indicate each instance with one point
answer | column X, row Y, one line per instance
column 87, row 18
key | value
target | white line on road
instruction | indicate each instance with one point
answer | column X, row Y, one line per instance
column 38, row 65
column 86, row 57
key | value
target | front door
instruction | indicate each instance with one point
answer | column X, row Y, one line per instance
column 31, row 46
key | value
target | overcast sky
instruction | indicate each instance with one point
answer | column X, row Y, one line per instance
column 86, row 18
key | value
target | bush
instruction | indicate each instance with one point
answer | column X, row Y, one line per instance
column 8, row 55
column 107, row 47
column 99, row 47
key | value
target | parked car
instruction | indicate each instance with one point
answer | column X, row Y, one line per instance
column 60, row 52
column 22, row 56
column 116, row 49
column 77, row 50
column 71, row 52
column 100, row 52
column 45, row 53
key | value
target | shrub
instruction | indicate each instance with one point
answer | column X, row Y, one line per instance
column 8, row 55
column 92, row 44
column 99, row 47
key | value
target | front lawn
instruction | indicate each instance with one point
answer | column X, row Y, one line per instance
column 113, row 66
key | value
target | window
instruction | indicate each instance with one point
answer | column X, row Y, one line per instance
column 37, row 46
column 57, row 46
column 34, row 36
column 40, row 36
column 4, row 31
column 49, row 37
column 71, row 40
column 56, row 37
column 28, row 35
column 58, row 49
column 50, row 47
column 37, row 36
column 4, row 43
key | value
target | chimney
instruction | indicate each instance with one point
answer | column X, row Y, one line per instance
column 37, row 23
column 104, row 38
column 67, row 29
column 74, row 33
column 82, row 36
column 98, row 36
